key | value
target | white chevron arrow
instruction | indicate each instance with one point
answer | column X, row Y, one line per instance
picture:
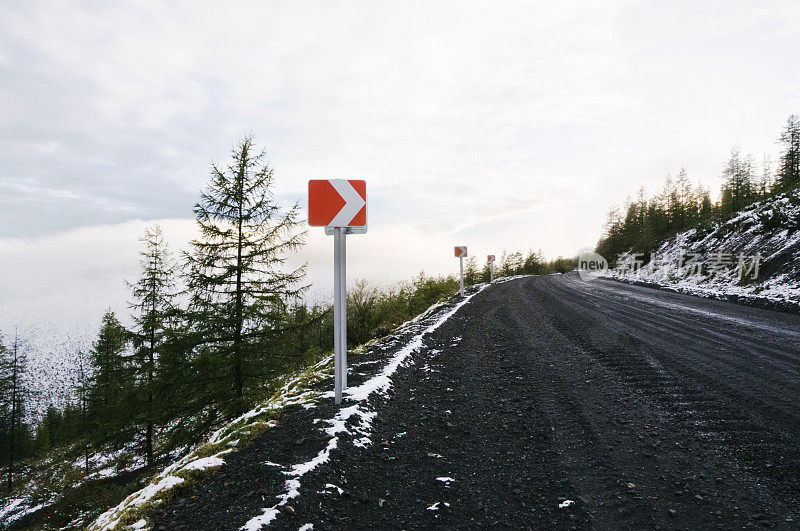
column 353, row 203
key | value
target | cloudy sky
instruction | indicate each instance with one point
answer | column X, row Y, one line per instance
column 497, row 125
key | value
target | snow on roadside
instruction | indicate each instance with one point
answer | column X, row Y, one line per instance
column 295, row 391
column 360, row 411
column 752, row 231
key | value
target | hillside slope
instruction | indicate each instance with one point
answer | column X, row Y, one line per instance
column 769, row 228
column 541, row 402
column 371, row 368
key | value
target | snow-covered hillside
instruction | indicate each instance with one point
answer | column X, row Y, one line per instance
column 707, row 261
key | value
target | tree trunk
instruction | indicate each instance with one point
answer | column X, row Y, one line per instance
column 151, row 362
column 237, row 337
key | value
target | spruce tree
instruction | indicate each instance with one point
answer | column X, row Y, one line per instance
column 237, row 274
column 110, row 393
column 153, row 309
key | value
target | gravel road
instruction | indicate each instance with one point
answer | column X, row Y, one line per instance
column 548, row 402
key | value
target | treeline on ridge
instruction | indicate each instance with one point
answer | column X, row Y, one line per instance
column 644, row 223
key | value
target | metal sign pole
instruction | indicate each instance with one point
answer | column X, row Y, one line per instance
column 338, row 313
column 491, row 272
column 343, row 299
column 351, row 217
column 461, row 270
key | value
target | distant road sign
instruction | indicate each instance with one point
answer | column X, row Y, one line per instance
column 338, row 203
column 490, row 258
column 461, row 251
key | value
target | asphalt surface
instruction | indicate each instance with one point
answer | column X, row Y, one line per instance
column 644, row 408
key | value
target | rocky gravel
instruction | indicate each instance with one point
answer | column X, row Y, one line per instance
column 545, row 402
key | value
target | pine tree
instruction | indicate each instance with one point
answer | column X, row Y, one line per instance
column 236, row 269
column 110, row 393
column 153, row 310
column 788, row 175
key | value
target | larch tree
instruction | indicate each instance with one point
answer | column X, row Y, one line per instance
column 13, row 364
column 737, row 188
column 237, row 273
column 83, row 405
column 153, row 310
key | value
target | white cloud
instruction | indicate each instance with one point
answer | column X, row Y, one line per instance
column 496, row 125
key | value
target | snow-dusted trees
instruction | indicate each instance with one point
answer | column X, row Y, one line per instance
column 236, row 276
column 680, row 206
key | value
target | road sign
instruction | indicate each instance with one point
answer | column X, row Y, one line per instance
column 490, row 258
column 490, row 261
column 461, row 252
column 340, row 206
column 336, row 203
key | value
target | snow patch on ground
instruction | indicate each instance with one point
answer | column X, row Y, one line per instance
column 204, row 463
column 294, row 391
column 360, row 412
column 752, row 231
column 17, row 508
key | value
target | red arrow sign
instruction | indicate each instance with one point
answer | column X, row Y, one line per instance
column 337, row 203
column 460, row 251
column 490, row 258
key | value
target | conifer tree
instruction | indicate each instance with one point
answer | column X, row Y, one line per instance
column 471, row 271
column 83, row 404
column 110, row 393
column 788, row 175
column 737, row 189
column 13, row 365
column 154, row 310
column 236, row 275
column 534, row 263
column 765, row 183
column 485, row 273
